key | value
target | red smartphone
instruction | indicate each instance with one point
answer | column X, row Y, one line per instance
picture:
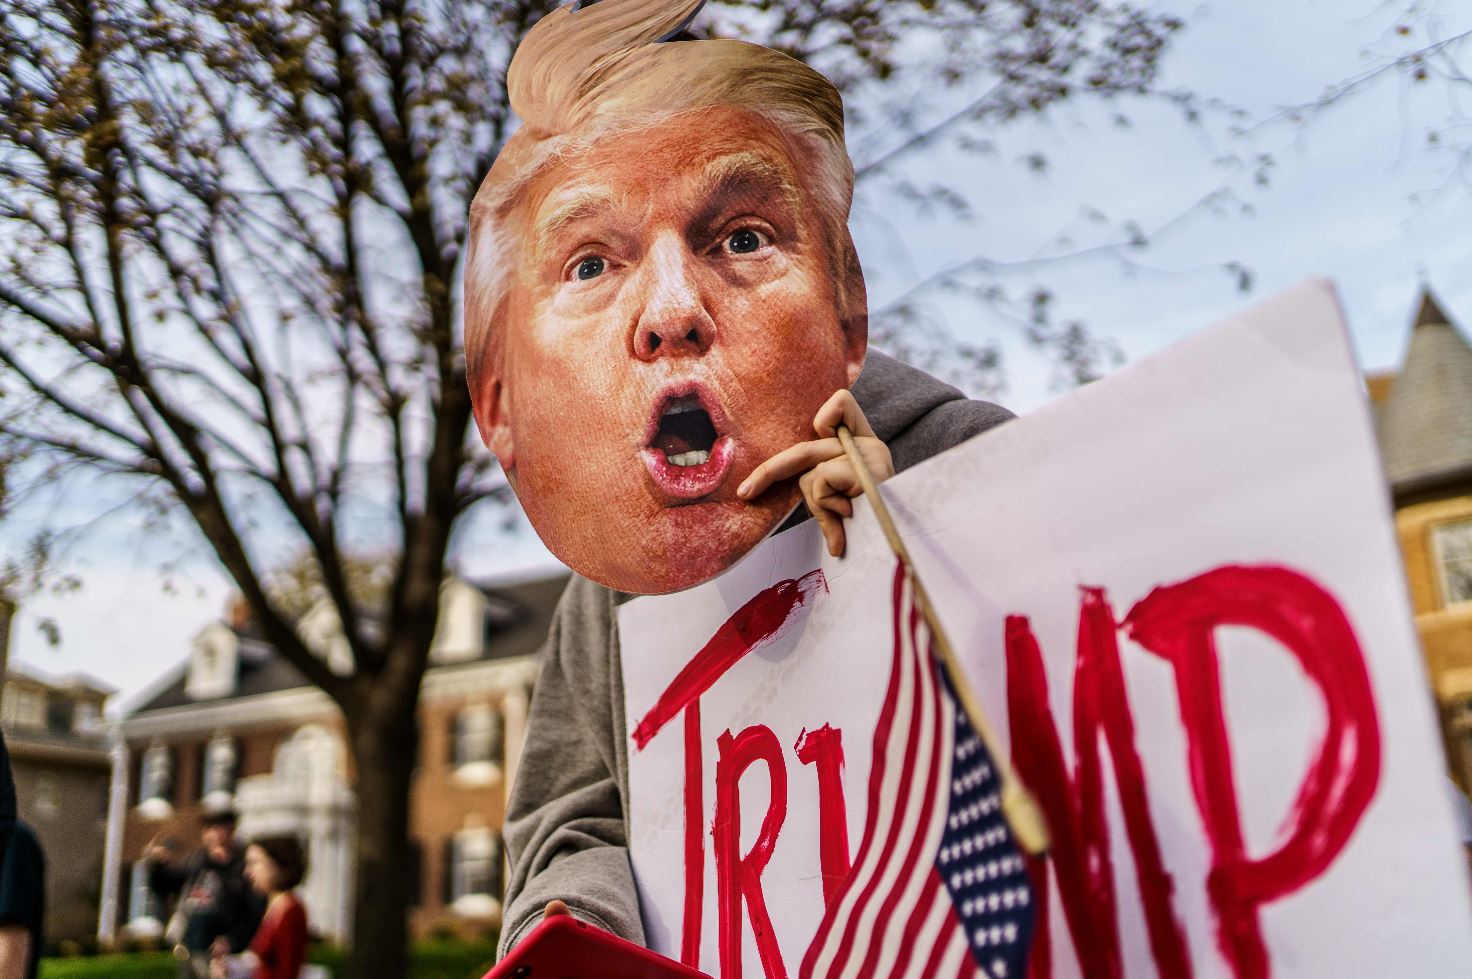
column 562, row 947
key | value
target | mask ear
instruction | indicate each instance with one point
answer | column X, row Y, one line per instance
column 855, row 312
column 493, row 420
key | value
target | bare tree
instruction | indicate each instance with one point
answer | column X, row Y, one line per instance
column 1426, row 49
column 230, row 237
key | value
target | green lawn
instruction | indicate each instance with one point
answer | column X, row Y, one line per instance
column 432, row 960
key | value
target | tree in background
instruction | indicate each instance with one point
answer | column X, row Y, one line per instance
column 1427, row 47
column 230, row 241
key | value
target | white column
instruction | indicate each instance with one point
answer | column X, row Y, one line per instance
column 513, row 711
column 112, row 852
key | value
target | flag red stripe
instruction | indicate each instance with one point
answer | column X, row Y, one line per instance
column 923, row 908
column 916, row 861
column 876, row 780
column 947, row 931
column 902, row 801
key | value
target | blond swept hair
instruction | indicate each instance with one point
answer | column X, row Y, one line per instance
column 588, row 71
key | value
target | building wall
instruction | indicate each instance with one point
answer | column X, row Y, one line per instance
column 1445, row 629
column 445, row 800
column 66, row 804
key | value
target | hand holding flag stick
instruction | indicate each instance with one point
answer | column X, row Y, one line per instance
column 1018, row 806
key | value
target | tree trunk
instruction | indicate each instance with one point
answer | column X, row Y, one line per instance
column 385, row 734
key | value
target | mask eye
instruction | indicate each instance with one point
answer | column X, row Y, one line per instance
column 745, row 241
column 590, row 268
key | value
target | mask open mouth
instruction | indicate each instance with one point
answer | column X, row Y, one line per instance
column 688, row 446
column 686, row 435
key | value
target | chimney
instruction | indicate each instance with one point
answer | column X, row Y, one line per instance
column 239, row 615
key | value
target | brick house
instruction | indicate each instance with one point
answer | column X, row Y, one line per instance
column 58, row 752
column 1423, row 416
column 236, row 726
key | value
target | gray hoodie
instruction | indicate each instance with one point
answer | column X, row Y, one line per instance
column 567, row 818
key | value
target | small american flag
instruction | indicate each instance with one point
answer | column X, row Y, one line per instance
column 939, row 886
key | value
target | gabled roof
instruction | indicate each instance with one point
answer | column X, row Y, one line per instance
column 517, row 619
column 1425, row 422
column 73, row 682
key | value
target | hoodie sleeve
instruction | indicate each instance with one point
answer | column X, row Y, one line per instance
column 944, row 427
column 566, row 834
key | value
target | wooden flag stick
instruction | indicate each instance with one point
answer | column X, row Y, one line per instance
column 1018, row 806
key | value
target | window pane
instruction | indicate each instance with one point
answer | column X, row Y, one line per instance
column 156, row 774
column 475, row 871
column 1453, row 549
column 475, row 734
column 142, row 902
column 219, row 767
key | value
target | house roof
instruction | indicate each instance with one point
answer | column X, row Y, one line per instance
column 41, row 744
column 74, row 682
column 518, row 616
column 1425, row 419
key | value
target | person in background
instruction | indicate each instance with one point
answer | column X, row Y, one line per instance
column 22, row 885
column 217, row 911
column 274, row 866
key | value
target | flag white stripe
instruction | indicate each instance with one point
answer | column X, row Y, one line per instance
column 956, row 952
column 889, row 789
column 929, row 934
column 913, row 807
column 920, row 871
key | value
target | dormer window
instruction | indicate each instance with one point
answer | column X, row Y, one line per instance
column 213, row 664
column 86, row 716
column 24, row 707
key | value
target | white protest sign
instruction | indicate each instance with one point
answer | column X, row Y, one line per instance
column 1178, row 596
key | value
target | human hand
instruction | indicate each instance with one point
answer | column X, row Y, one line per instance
column 154, row 851
column 828, row 481
column 554, row 908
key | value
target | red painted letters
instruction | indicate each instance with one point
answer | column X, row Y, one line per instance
column 1178, row 623
column 739, row 878
column 824, row 749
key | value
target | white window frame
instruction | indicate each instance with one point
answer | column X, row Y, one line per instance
column 46, row 797
column 475, row 853
column 25, row 707
column 1439, row 534
column 474, row 749
column 219, row 753
column 144, row 912
column 153, row 797
column 86, row 717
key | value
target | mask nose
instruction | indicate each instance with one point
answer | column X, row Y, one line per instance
column 674, row 320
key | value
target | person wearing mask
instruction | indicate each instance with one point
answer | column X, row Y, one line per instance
column 217, row 912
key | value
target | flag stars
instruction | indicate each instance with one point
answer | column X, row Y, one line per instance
column 978, row 858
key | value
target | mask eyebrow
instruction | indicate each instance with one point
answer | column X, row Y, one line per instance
column 571, row 207
column 744, row 174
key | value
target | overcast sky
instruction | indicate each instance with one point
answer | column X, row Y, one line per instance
column 1341, row 203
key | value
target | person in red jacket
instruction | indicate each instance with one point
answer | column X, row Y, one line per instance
column 274, row 866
